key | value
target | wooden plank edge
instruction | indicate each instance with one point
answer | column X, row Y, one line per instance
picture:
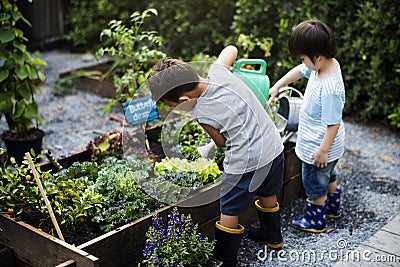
column 25, row 250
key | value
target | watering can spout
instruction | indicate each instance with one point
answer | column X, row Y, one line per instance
column 204, row 151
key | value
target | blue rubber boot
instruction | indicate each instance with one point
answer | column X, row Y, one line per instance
column 333, row 204
column 314, row 219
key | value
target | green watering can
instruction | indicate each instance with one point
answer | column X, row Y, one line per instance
column 255, row 77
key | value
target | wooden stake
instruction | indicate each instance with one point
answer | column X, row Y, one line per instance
column 46, row 201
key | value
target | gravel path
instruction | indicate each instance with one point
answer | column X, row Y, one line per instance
column 368, row 172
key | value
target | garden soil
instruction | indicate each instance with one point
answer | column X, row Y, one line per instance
column 368, row 172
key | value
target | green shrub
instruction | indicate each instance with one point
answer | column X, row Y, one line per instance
column 368, row 42
column 135, row 51
column 367, row 35
column 86, row 19
column 189, row 27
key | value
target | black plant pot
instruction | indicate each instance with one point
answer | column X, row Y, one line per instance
column 18, row 147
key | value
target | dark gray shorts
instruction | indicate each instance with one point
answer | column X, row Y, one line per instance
column 237, row 193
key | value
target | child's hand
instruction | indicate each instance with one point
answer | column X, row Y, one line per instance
column 273, row 92
column 320, row 159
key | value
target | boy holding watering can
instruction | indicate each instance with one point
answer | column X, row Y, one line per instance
column 320, row 141
column 234, row 118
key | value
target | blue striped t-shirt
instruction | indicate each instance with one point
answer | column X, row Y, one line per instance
column 322, row 105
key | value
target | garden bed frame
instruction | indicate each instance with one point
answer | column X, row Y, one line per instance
column 93, row 84
column 124, row 245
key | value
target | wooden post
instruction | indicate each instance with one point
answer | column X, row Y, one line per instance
column 46, row 201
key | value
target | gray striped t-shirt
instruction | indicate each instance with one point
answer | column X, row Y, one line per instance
column 322, row 105
column 231, row 107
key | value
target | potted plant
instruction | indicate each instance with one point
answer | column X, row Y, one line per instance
column 19, row 72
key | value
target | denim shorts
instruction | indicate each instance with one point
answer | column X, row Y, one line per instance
column 316, row 180
column 240, row 196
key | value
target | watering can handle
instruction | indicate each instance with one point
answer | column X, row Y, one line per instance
column 290, row 89
column 244, row 61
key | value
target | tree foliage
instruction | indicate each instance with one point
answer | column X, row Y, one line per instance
column 367, row 33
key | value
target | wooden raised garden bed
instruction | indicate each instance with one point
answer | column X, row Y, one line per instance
column 93, row 83
column 123, row 246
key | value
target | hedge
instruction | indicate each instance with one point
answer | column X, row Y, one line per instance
column 367, row 33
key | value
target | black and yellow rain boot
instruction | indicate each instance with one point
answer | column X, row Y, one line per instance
column 227, row 244
column 269, row 232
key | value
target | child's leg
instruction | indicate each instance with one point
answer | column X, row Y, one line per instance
column 229, row 221
column 333, row 200
column 228, row 232
column 268, row 210
column 319, row 200
column 269, row 232
column 316, row 184
column 268, row 202
column 333, row 187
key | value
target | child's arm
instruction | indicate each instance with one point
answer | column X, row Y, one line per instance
column 290, row 77
column 227, row 56
column 216, row 136
column 321, row 156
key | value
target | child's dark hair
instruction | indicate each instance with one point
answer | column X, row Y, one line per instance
column 170, row 78
column 312, row 38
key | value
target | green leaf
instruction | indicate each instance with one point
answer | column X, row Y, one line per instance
column 38, row 61
column 25, row 93
column 21, row 73
column 19, row 109
column 33, row 73
column 4, row 16
column 42, row 77
column 104, row 145
column 20, row 46
column 3, row 75
column 6, row 36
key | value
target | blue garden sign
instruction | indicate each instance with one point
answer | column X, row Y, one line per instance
column 140, row 110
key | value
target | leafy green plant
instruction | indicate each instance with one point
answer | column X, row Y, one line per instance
column 249, row 43
column 117, row 181
column 106, row 145
column 73, row 194
column 115, row 144
column 18, row 72
column 176, row 243
column 135, row 52
column 207, row 170
column 17, row 186
column 395, row 117
column 191, row 136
